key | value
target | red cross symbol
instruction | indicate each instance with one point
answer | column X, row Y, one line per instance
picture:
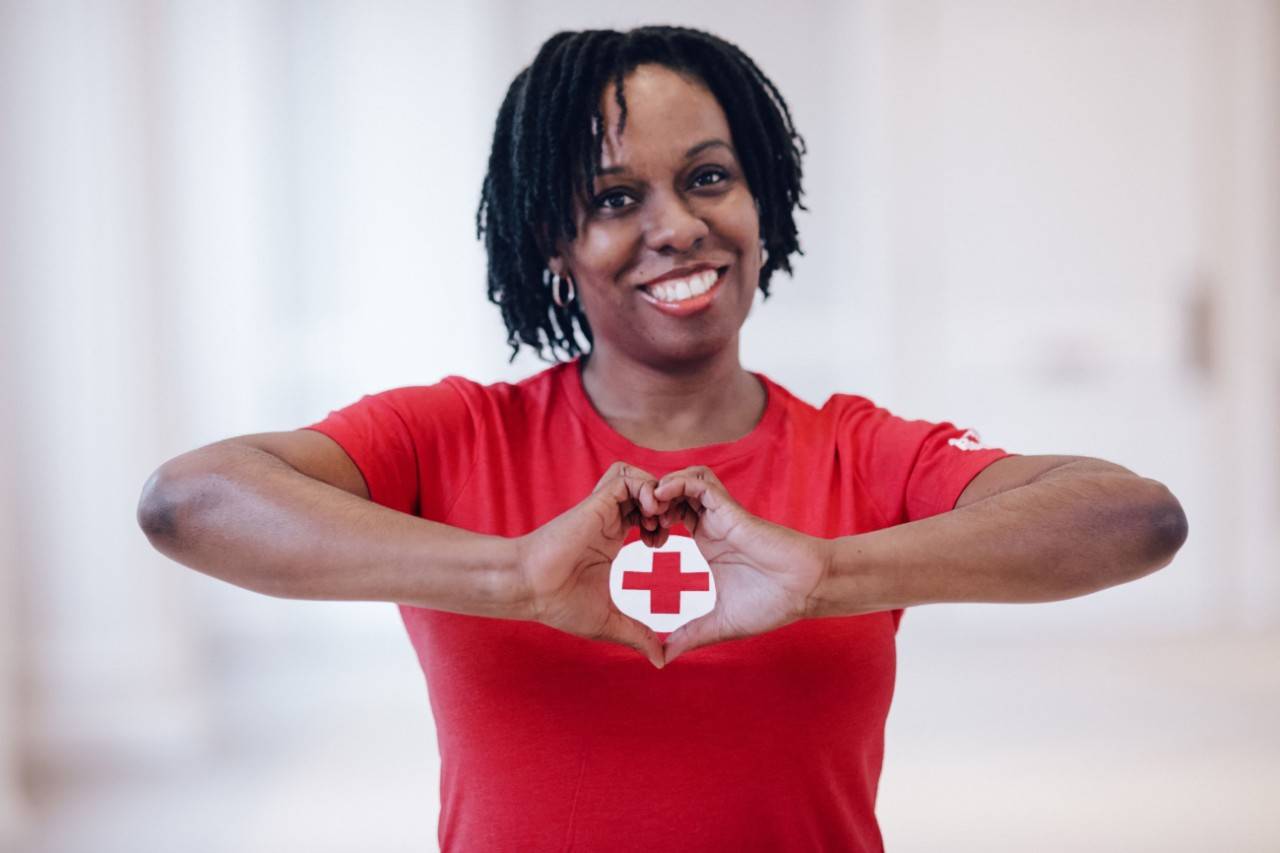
column 666, row 582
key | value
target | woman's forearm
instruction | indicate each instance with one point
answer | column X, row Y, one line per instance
column 1065, row 535
column 245, row 516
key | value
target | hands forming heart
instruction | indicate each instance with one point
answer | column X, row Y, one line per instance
column 764, row 573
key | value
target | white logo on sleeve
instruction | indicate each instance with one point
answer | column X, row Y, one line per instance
column 664, row 588
column 969, row 441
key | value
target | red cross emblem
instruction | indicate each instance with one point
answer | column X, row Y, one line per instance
column 666, row 582
column 662, row 589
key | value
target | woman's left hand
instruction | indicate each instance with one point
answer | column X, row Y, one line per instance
column 764, row 572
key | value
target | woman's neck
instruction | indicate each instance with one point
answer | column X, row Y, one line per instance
column 710, row 402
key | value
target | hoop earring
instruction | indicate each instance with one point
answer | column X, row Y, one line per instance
column 555, row 290
column 764, row 254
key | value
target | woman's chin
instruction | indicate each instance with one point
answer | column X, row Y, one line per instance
column 687, row 351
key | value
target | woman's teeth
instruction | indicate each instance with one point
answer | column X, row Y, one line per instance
column 679, row 289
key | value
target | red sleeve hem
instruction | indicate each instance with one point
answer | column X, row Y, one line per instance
column 337, row 436
column 971, row 468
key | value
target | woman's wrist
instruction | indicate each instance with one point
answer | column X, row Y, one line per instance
column 470, row 573
column 507, row 585
column 504, row 585
column 849, row 584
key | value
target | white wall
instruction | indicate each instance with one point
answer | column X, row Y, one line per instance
column 107, row 647
column 222, row 218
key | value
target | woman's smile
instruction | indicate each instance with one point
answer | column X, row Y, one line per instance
column 683, row 296
column 667, row 256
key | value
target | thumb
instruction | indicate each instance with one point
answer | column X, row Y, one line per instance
column 691, row 635
column 629, row 632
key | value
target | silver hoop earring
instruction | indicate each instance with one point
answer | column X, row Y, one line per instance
column 764, row 254
column 555, row 290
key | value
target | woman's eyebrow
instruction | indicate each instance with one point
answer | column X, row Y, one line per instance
column 704, row 145
column 692, row 152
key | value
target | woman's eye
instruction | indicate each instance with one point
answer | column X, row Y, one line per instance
column 719, row 174
column 621, row 199
column 612, row 201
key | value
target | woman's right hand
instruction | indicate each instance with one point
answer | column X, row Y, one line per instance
column 565, row 563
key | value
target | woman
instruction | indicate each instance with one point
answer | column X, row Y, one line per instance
column 641, row 187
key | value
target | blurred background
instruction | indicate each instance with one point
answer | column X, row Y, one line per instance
column 1055, row 222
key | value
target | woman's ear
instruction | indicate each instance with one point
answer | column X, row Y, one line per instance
column 555, row 263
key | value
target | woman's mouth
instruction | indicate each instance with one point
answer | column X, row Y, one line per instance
column 681, row 297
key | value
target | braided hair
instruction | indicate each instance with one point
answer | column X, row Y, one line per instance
column 548, row 141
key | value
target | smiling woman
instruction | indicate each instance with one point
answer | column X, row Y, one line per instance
column 670, row 211
column 710, row 135
column 641, row 189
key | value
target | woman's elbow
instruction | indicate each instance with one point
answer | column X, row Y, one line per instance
column 1167, row 527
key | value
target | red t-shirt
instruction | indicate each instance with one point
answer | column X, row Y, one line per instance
column 552, row 742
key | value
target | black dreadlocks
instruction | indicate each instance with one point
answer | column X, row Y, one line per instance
column 548, row 141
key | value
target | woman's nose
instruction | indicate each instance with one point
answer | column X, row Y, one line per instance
column 673, row 226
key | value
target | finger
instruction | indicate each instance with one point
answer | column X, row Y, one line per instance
column 634, row 516
column 697, row 472
column 682, row 511
column 631, row 476
column 614, row 487
column 691, row 516
column 709, row 494
column 623, row 483
column 674, row 487
column 613, row 472
column 655, row 538
column 649, row 503
column 691, row 635
column 609, row 474
column 638, row 481
column 640, row 485
column 629, row 632
column 628, row 511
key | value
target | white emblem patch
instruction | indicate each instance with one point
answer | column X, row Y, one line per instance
column 664, row 587
column 969, row 441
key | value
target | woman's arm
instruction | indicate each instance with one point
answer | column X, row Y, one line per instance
column 1070, row 529
column 244, row 515
column 1028, row 528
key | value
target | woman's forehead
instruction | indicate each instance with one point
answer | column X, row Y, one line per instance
column 668, row 114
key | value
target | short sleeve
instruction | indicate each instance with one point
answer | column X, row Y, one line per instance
column 411, row 444
column 912, row 469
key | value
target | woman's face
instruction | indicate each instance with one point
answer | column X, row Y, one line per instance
column 670, row 215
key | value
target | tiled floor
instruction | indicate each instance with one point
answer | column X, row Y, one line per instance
column 1161, row 747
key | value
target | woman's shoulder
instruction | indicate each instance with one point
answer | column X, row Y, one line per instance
column 837, row 406
column 457, row 394
column 537, row 387
column 459, row 384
